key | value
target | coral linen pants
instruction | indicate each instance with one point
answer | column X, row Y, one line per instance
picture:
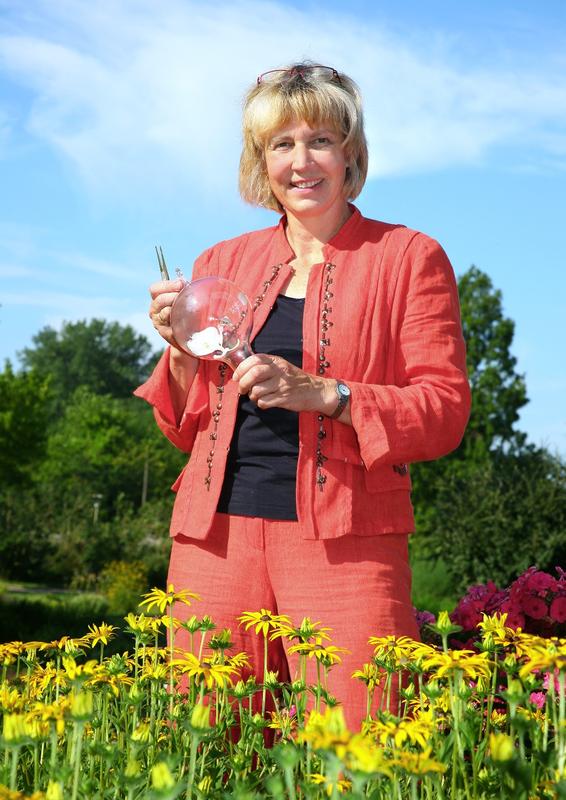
column 359, row 586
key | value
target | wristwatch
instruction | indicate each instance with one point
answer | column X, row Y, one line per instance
column 343, row 393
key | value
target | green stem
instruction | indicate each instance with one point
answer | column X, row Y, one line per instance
column 77, row 758
column 14, row 769
column 192, row 765
column 264, row 690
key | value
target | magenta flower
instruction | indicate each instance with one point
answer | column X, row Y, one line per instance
column 514, row 618
column 534, row 606
column 558, row 609
column 538, row 699
column 541, row 582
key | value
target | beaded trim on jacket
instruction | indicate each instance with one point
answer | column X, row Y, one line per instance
column 222, row 378
column 323, row 365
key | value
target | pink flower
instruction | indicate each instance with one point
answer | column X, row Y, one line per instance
column 558, row 609
column 514, row 618
column 538, row 699
column 424, row 618
column 541, row 582
column 548, row 678
column 534, row 607
column 466, row 615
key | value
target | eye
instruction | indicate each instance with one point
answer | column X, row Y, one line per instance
column 282, row 145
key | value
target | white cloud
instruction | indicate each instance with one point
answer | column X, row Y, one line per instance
column 16, row 271
column 65, row 305
column 140, row 94
column 98, row 266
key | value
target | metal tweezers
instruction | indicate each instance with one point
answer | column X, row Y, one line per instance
column 162, row 265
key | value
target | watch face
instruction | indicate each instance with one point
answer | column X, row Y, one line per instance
column 343, row 390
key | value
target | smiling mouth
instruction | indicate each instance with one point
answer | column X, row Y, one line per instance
column 305, row 184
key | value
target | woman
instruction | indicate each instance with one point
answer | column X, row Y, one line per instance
column 296, row 497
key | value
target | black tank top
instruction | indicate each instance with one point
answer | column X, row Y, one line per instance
column 261, row 471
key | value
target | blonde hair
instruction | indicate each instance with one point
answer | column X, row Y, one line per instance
column 315, row 95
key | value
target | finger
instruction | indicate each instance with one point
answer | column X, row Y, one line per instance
column 252, row 361
column 264, row 390
column 163, row 317
column 160, row 303
column 256, row 375
column 166, row 286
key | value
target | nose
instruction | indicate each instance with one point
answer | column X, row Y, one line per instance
column 301, row 156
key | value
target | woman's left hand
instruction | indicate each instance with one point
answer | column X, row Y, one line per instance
column 272, row 382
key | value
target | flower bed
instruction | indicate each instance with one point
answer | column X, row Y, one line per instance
column 473, row 723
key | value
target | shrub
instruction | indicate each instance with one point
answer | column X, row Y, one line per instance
column 122, row 583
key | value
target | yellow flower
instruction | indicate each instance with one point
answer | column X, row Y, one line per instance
column 200, row 716
column 76, row 671
column 239, row 660
column 550, row 657
column 466, row 662
column 322, row 652
column 342, row 785
column 133, row 768
column 304, row 633
column 418, row 730
column 138, row 623
column 101, row 633
column 142, row 732
column 501, row 747
column 494, row 630
column 363, row 755
column 418, row 763
column 11, row 699
column 161, row 778
column 54, row 791
column 283, row 721
column 205, row 784
column 67, row 644
column 263, row 620
column 498, row 719
column 370, row 674
column 20, row 728
column 158, row 672
column 53, row 712
column 81, row 705
column 14, row 728
column 157, row 598
column 396, row 652
column 326, row 731
column 209, row 671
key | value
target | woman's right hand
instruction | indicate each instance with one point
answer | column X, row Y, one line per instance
column 163, row 294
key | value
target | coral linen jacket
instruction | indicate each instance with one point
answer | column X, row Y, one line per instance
column 382, row 314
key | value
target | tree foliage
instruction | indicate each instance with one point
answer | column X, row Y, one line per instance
column 500, row 517
column 85, row 471
column 105, row 357
column 23, row 421
column 498, row 391
column 80, row 457
column 492, row 507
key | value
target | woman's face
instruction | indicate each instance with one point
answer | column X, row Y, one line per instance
column 307, row 169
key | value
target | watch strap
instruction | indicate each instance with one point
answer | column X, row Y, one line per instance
column 343, row 398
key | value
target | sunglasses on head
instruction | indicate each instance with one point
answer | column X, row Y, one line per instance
column 304, row 72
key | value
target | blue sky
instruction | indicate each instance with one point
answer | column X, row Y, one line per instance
column 119, row 129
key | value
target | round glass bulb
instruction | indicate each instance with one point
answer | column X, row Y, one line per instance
column 212, row 319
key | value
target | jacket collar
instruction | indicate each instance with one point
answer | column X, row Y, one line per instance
column 283, row 252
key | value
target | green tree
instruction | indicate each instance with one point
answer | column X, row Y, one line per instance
column 502, row 516
column 24, row 400
column 106, row 357
column 467, row 506
column 101, row 447
column 498, row 391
